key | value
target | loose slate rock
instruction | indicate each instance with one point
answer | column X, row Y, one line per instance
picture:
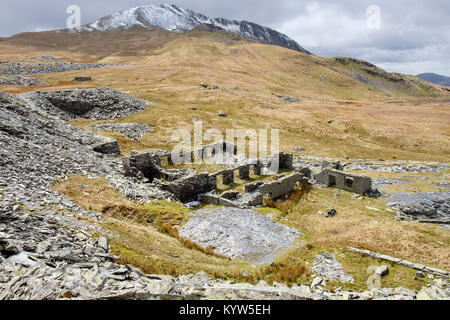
column 434, row 205
column 239, row 233
column 82, row 79
column 325, row 265
column 382, row 270
column 21, row 81
column 102, row 242
column 130, row 130
column 29, row 68
column 330, row 212
column 97, row 104
column 286, row 98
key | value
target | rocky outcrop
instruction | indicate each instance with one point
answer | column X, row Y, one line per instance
column 98, row 104
column 286, row 98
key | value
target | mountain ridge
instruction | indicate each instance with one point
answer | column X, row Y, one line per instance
column 435, row 78
column 176, row 19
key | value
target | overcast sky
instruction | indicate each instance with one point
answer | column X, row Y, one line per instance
column 414, row 36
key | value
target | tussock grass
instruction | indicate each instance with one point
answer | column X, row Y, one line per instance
column 288, row 202
column 284, row 273
column 356, row 226
column 92, row 194
column 173, row 232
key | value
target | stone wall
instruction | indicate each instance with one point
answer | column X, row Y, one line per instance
column 255, row 192
column 332, row 165
column 206, row 152
column 278, row 188
column 345, row 181
column 148, row 165
column 189, row 188
column 286, row 161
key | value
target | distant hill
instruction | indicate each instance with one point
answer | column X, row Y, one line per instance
column 435, row 78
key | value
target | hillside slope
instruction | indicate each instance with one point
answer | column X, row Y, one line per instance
column 129, row 44
column 374, row 114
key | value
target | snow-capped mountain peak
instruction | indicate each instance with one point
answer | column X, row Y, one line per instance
column 176, row 19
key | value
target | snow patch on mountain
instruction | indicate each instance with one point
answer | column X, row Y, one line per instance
column 177, row 19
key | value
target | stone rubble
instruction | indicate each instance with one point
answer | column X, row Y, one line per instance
column 427, row 205
column 30, row 68
column 382, row 183
column 52, row 256
column 48, row 58
column 129, row 130
column 239, row 233
column 97, row 104
column 21, row 81
column 326, row 265
column 36, row 150
column 399, row 166
column 286, row 98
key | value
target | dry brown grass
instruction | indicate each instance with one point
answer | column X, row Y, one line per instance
column 172, row 67
column 92, row 194
column 157, row 247
column 131, row 213
column 173, row 232
column 287, row 274
column 356, row 226
column 155, row 252
column 288, row 202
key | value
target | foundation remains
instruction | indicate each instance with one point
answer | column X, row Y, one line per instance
column 187, row 185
